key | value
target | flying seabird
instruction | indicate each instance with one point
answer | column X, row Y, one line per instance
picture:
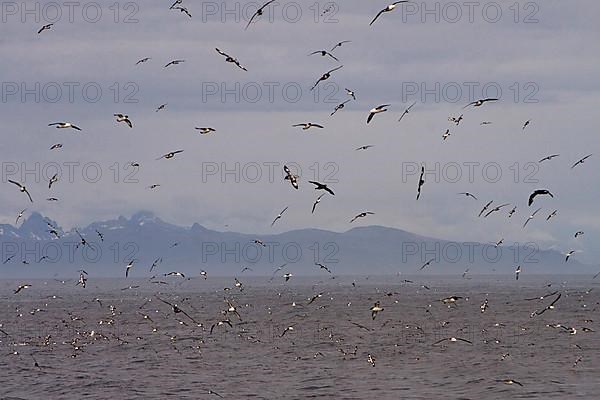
column 322, row 186
column 161, row 107
column 45, row 27
column 446, row 134
column 177, row 310
column 452, row 339
column 258, row 13
column 308, row 125
column 468, row 195
column 278, row 216
column 371, row 360
column 421, row 182
column 517, row 272
column 230, row 59
column 569, row 254
column 350, row 93
column 128, row 267
column 531, row 217
column 204, row 274
column 205, row 131
column 538, row 193
column 290, row 177
column 376, row 110
column 479, row 103
column 53, row 180
column 578, row 233
column 339, row 44
column 175, row 273
column 375, row 309
column 321, row 266
column 220, row 323
column 407, row 111
column 510, row 382
column 526, row 124
column 426, row 264
column 143, row 60
column 288, row 329
column 548, row 158
column 389, row 8
column 496, row 209
column 361, row 215
column 549, row 307
column 63, row 125
column 170, row 155
column 325, row 76
column 174, row 62
column 581, row 161
column 317, row 201
column 287, row 276
column 124, row 118
column 339, row 107
column 553, row 214
column 21, row 287
column 484, row 209
column 183, row 10
column 324, row 53
column 22, row 188
column 456, row 120
column 23, row 212
column 368, row 146
column 56, row 146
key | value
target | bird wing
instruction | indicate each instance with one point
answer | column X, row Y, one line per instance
column 377, row 16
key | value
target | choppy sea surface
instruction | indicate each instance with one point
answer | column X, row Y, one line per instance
column 119, row 339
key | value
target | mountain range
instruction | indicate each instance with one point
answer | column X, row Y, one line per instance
column 31, row 250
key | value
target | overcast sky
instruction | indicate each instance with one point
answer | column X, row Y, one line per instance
column 544, row 59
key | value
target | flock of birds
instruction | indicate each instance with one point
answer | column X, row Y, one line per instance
column 232, row 314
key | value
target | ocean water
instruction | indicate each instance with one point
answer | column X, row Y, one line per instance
column 61, row 341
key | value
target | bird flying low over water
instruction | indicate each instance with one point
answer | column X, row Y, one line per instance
column 21, row 287
column 376, row 110
column 539, row 192
column 517, row 272
column 389, row 8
